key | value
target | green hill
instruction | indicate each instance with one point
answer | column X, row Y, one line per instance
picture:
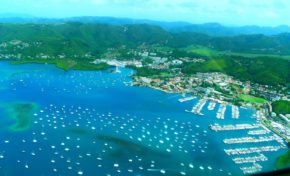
column 73, row 41
column 264, row 70
column 281, row 107
column 91, row 37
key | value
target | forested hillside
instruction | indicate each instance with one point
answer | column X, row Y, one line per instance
column 82, row 37
column 77, row 40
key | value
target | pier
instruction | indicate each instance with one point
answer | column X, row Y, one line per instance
column 252, row 169
column 211, row 105
column 235, row 112
column 221, row 111
column 259, row 115
column 251, row 139
column 181, row 100
column 243, row 126
column 250, row 159
column 258, row 132
column 198, row 107
column 242, row 151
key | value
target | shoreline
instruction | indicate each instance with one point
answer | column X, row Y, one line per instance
column 105, row 67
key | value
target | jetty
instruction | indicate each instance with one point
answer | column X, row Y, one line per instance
column 251, row 139
column 198, row 107
column 181, row 100
column 235, row 112
column 258, row 132
column 250, row 159
column 242, row 126
column 249, row 150
column 211, row 105
column 252, row 169
column 221, row 111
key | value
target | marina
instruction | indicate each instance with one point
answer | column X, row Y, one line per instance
column 252, row 169
column 242, row 151
column 211, row 105
column 221, row 111
column 258, row 132
column 251, row 154
column 198, row 107
column 235, row 112
column 252, row 159
column 83, row 123
column 252, row 139
column 181, row 100
column 217, row 127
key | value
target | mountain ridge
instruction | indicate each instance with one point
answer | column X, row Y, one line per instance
column 212, row 29
column 94, row 34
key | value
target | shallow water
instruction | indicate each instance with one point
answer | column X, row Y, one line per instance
column 92, row 123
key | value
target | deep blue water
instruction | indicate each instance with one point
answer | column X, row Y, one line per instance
column 92, row 123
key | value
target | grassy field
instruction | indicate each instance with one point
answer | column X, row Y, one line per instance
column 252, row 99
column 205, row 51
column 153, row 73
column 215, row 65
column 252, row 55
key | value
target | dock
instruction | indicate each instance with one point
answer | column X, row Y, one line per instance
column 211, row 105
column 250, row 159
column 242, row 151
column 251, row 139
column 198, row 107
column 258, row 132
column 181, row 100
column 242, row 126
column 221, row 111
column 235, row 112
column 252, row 169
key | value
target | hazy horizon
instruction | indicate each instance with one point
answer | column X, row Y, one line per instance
column 226, row 12
column 14, row 15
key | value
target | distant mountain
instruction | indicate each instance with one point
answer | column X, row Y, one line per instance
column 212, row 29
column 127, row 21
column 75, row 40
column 91, row 37
column 215, row 29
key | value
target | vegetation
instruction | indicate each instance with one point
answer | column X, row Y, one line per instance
column 252, row 99
column 281, row 107
column 204, row 51
column 79, row 38
column 209, row 52
column 66, row 64
column 283, row 161
column 75, row 45
column 264, row 70
column 148, row 72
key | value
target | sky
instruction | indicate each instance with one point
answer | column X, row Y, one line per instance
column 227, row 12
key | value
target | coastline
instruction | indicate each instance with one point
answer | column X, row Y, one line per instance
column 65, row 65
column 103, row 66
column 173, row 100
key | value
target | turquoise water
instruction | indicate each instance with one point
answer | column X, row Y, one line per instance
column 93, row 123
